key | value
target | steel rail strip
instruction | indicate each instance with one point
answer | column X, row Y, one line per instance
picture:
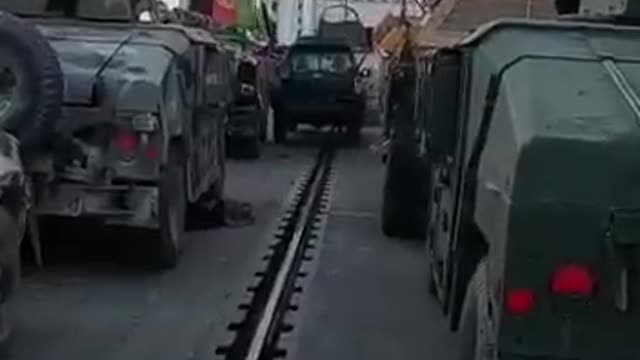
column 288, row 271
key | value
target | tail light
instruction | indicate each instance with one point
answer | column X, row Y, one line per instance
column 520, row 302
column 151, row 153
column 573, row 280
column 126, row 143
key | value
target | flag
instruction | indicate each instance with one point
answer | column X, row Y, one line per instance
column 224, row 12
column 246, row 14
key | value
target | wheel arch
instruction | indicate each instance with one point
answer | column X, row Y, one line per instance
column 470, row 248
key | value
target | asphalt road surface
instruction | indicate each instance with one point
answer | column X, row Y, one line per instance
column 366, row 298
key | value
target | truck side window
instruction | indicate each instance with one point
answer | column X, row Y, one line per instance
column 186, row 79
column 441, row 121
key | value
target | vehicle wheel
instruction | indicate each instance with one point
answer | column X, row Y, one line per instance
column 280, row 127
column 6, row 324
column 12, row 230
column 431, row 280
column 218, row 187
column 263, row 124
column 253, row 147
column 354, row 129
column 475, row 336
column 405, row 198
column 31, row 82
column 167, row 240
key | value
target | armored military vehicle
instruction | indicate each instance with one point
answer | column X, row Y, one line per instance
column 320, row 78
column 318, row 87
column 526, row 130
column 139, row 141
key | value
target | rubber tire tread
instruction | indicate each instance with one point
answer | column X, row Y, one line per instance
column 404, row 203
column 354, row 128
column 469, row 318
column 280, row 127
column 165, row 252
column 44, row 78
column 9, row 262
column 254, row 148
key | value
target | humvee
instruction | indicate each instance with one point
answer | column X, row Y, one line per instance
column 318, row 87
column 527, row 131
column 139, row 140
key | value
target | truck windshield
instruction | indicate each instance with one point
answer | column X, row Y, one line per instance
column 335, row 62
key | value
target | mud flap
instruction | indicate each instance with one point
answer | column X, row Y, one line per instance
column 622, row 242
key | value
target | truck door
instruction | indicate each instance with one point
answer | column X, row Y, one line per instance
column 211, row 123
column 443, row 89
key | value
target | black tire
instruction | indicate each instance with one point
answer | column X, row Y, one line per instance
column 431, row 280
column 218, row 186
column 12, row 230
column 31, row 68
column 245, row 147
column 405, row 197
column 199, row 213
column 166, row 241
column 263, row 125
column 254, row 143
column 354, row 128
column 473, row 333
column 254, row 147
column 280, row 127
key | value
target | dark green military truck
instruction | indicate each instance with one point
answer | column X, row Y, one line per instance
column 527, row 131
column 137, row 141
column 318, row 87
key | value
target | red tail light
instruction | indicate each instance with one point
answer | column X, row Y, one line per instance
column 126, row 142
column 152, row 153
column 573, row 280
column 520, row 301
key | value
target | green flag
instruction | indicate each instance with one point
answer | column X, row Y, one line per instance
column 247, row 14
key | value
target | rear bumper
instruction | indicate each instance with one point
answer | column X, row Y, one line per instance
column 325, row 113
column 120, row 205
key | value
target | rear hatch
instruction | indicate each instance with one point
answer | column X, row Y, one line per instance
column 109, row 127
column 320, row 75
column 566, row 255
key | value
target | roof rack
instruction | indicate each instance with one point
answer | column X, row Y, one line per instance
column 351, row 31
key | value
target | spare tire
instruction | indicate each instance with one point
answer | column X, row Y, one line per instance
column 31, row 82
